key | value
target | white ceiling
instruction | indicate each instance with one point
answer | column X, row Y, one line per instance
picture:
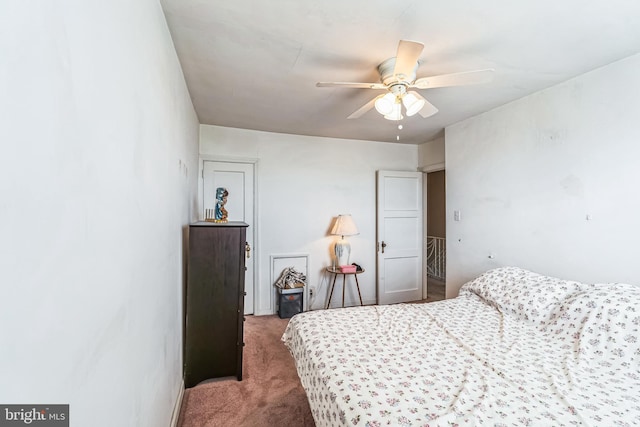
column 254, row 64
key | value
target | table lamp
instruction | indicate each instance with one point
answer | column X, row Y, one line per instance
column 344, row 226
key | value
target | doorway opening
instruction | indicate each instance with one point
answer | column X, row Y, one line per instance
column 436, row 242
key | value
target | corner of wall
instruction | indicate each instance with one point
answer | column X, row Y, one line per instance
column 177, row 406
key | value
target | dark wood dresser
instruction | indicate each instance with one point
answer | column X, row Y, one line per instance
column 214, row 301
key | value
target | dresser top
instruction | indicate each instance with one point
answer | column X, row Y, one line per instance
column 219, row 224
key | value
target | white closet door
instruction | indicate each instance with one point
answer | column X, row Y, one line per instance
column 238, row 179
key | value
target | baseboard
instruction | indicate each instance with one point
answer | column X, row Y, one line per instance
column 177, row 406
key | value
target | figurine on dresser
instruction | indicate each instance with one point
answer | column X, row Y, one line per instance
column 221, row 200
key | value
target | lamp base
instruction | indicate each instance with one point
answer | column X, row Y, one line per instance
column 342, row 250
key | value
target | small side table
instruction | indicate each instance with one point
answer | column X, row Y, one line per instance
column 336, row 272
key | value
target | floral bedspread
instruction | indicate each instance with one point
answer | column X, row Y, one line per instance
column 514, row 349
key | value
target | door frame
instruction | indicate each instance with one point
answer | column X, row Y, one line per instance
column 255, row 250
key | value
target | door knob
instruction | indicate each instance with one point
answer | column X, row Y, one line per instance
column 247, row 249
column 384, row 245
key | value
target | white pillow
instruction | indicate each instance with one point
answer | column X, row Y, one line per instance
column 522, row 293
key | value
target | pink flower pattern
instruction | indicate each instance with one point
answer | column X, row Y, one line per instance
column 514, row 349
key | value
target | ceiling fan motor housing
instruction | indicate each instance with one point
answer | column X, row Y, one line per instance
column 398, row 89
column 388, row 78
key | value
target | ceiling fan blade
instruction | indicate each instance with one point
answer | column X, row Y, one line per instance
column 406, row 59
column 455, row 79
column 366, row 107
column 352, row 85
column 428, row 110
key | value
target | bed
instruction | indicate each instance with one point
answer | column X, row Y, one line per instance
column 514, row 349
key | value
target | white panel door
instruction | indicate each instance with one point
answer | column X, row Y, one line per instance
column 237, row 178
column 399, row 214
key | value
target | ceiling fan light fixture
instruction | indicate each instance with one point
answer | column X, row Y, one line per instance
column 396, row 113
column 385, row 103
column 398, row 75
column 412, row 103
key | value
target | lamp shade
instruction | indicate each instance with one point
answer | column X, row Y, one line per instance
column 413, row 103
column 396, row 113
column 344, row 226
column 384, row 103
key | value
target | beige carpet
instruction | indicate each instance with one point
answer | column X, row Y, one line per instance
column 270, row 393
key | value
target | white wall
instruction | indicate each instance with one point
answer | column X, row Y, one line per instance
column 525, row 177
column 303, row 183
column 98, row 144
column 431, row 155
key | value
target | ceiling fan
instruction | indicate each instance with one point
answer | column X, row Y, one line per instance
column 398, row 75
